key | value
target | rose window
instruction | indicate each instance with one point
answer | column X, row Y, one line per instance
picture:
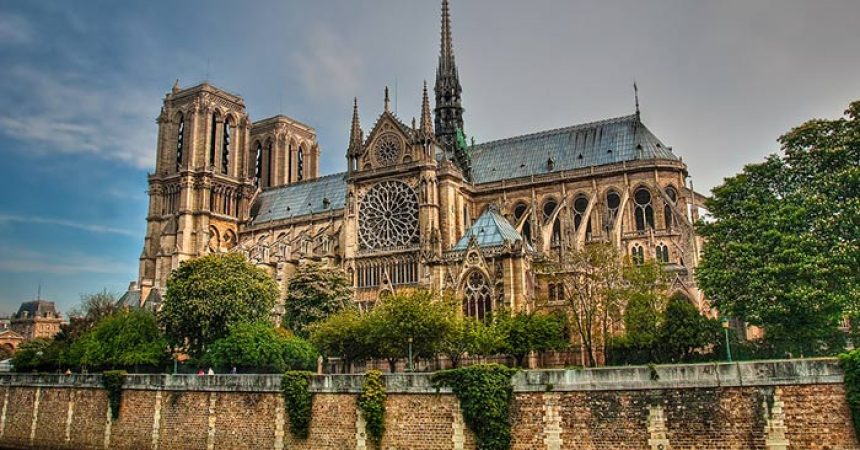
column 388, row 216
column 387, row 149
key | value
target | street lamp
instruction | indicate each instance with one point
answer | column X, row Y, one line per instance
column 409, row 340
column 725, row 324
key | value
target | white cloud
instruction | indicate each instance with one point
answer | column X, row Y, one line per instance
column 11, row 218
column 67, row 115
column 329, row 67
column 18, row 260
column 15, row 29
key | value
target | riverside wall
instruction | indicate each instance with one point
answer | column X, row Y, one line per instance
column 773, row 405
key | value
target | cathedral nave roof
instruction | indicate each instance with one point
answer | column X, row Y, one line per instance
column 300, row 199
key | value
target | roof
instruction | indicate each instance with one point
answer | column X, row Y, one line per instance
column 593, row 144
column 37, row 308
column 131, row 299
column 300, row 199
column 490, row 230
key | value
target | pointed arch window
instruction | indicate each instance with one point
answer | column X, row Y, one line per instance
column 637, row 254
column 661, row 252
column 644, row 212
column 269, row 164
column 225, row 147
column 667, row 208
column 580, row 205
column 613, row 203
column 478, row 301
column 213, row 133
column 549, row 208
column 289, row 164
column 180, row 142
column 300, row 164
column 258, row 164
column 519, row 211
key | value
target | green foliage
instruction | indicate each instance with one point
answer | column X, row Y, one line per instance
column 113, row 380
column 850, row 363
column 207, row 295
column 298, row 401
column 341, row 335
column 529, row 332
column 262, row 348
column 782, row 251
column 125, row 339
column 33, row 356
column 315, row 292
column 685, row 331
column 485, row 394
column 466, row 335
column 372, row 404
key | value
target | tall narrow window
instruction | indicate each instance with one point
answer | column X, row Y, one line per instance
column 644, row 212
column 289, row 164
column 478, row 302
column 519, row 211
column 212, row 135
column 662, row 253
column 300, row 164
column 269, row 164
column 258, row 163
column 637, row 254
column 580, row 205
column 667, row 208
column 225, row 148
column 548, row 210
column 180, row 142
column 613, row 203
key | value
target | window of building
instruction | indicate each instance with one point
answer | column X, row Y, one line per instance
column 667, row 208
column 212, row 135
column 269, row 164
column 300, row 164
column 644, row 212
column 549, row 208
column 580, row 205
column 519, row 211
column 613, row 203
column 478, row 302
column 258, row 164
column 180, row 143
column 637, row 254
column 225, row 147
column 661, row 252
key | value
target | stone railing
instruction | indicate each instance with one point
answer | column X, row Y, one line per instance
column 753, row 373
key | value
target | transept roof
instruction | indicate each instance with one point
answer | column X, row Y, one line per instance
column 490, row 230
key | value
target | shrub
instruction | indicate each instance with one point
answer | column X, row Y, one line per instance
column 372, row 404
column 112, row 381
column 850, row 363
column 298, row 401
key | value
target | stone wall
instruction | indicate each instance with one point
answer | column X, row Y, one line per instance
column 772, row 405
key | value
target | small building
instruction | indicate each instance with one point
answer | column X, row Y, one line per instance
column 37, row 319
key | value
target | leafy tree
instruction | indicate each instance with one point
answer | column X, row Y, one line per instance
column 33, row 356
column 126, row 339
column 315, row 292
column 342, row 335
column 403, row 316
column 461, row 338
column 261, row 347
column 207, row 295
column 782, row 251
column 685, row 330
column 524, row 333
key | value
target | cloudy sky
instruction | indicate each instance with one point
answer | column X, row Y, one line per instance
column 82, row 83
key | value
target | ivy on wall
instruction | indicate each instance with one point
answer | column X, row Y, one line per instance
column 485, row 393
column 372, row 404
column 298, row 401
column 850, row 363
column 113, row 380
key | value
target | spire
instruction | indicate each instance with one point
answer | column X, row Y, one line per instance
column 426, row 119
column 448, row 115
column 356, row 136
column 446, row 59
column 176, row 87
column 636, row 96
column 387, row 101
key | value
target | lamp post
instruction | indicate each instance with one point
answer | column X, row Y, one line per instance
column 725, row 323
column 409, row 340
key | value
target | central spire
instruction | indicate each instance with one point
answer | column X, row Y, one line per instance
column 448, row 115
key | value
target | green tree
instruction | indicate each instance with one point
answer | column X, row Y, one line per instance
column 341, row 335
column 528, row 332
column 685, row 331
column 460, row 339
column 261, row 348
column 126, row 339
column 207, row 295
column 33, row 356
column 315, row 292
column 782, row 250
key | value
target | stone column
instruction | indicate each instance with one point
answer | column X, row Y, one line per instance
column 657, row 431
column 774, row 430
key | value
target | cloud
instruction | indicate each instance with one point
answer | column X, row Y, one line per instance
column 19, row 260
column 328, row 66
column 10, row 218
column 68, row 114
column 15, row 29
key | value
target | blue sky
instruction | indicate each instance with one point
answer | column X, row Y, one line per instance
column 83, row 81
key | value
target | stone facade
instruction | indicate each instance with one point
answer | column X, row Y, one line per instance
column 767, row 405
column 36, row 319
column 418, row 205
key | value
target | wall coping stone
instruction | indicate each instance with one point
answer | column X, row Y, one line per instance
column 678, row 376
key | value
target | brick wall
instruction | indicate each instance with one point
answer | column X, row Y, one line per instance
column 769, row 406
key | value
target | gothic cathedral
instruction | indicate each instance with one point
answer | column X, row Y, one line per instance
column 418, row 206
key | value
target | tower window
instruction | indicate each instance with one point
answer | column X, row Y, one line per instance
column 180, row 142
column 269, row 164
column 258, row 163
column 225, row 148
column 668, row 217
column 644, row 212
column 212, row 135
column 300, row 164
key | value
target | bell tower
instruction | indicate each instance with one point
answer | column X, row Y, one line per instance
column 199, row 191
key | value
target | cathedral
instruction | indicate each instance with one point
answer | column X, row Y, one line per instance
column 419, row 204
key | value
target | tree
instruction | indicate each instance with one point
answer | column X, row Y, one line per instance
column 33, row 356
column 528, row 332
column 782, row 250
column 126, row 339
column 315, row 292
column 207, row 295
column 460, row 339
column 342, row 335
column 685, row 330
column 262, row 348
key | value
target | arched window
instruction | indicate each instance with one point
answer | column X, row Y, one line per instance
column 667, row 208
column 180, row 142
column 289, row 163
column 661, row 252
column 613, row 202
column 300, row 164
column 212, row 135
column 519, row 212
column 269, row 164
column 580, row 205
column 637, row 254
column 549, row 208
column 478, row 302
column 225, row 147
column 644, row 212
column 258, row 164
